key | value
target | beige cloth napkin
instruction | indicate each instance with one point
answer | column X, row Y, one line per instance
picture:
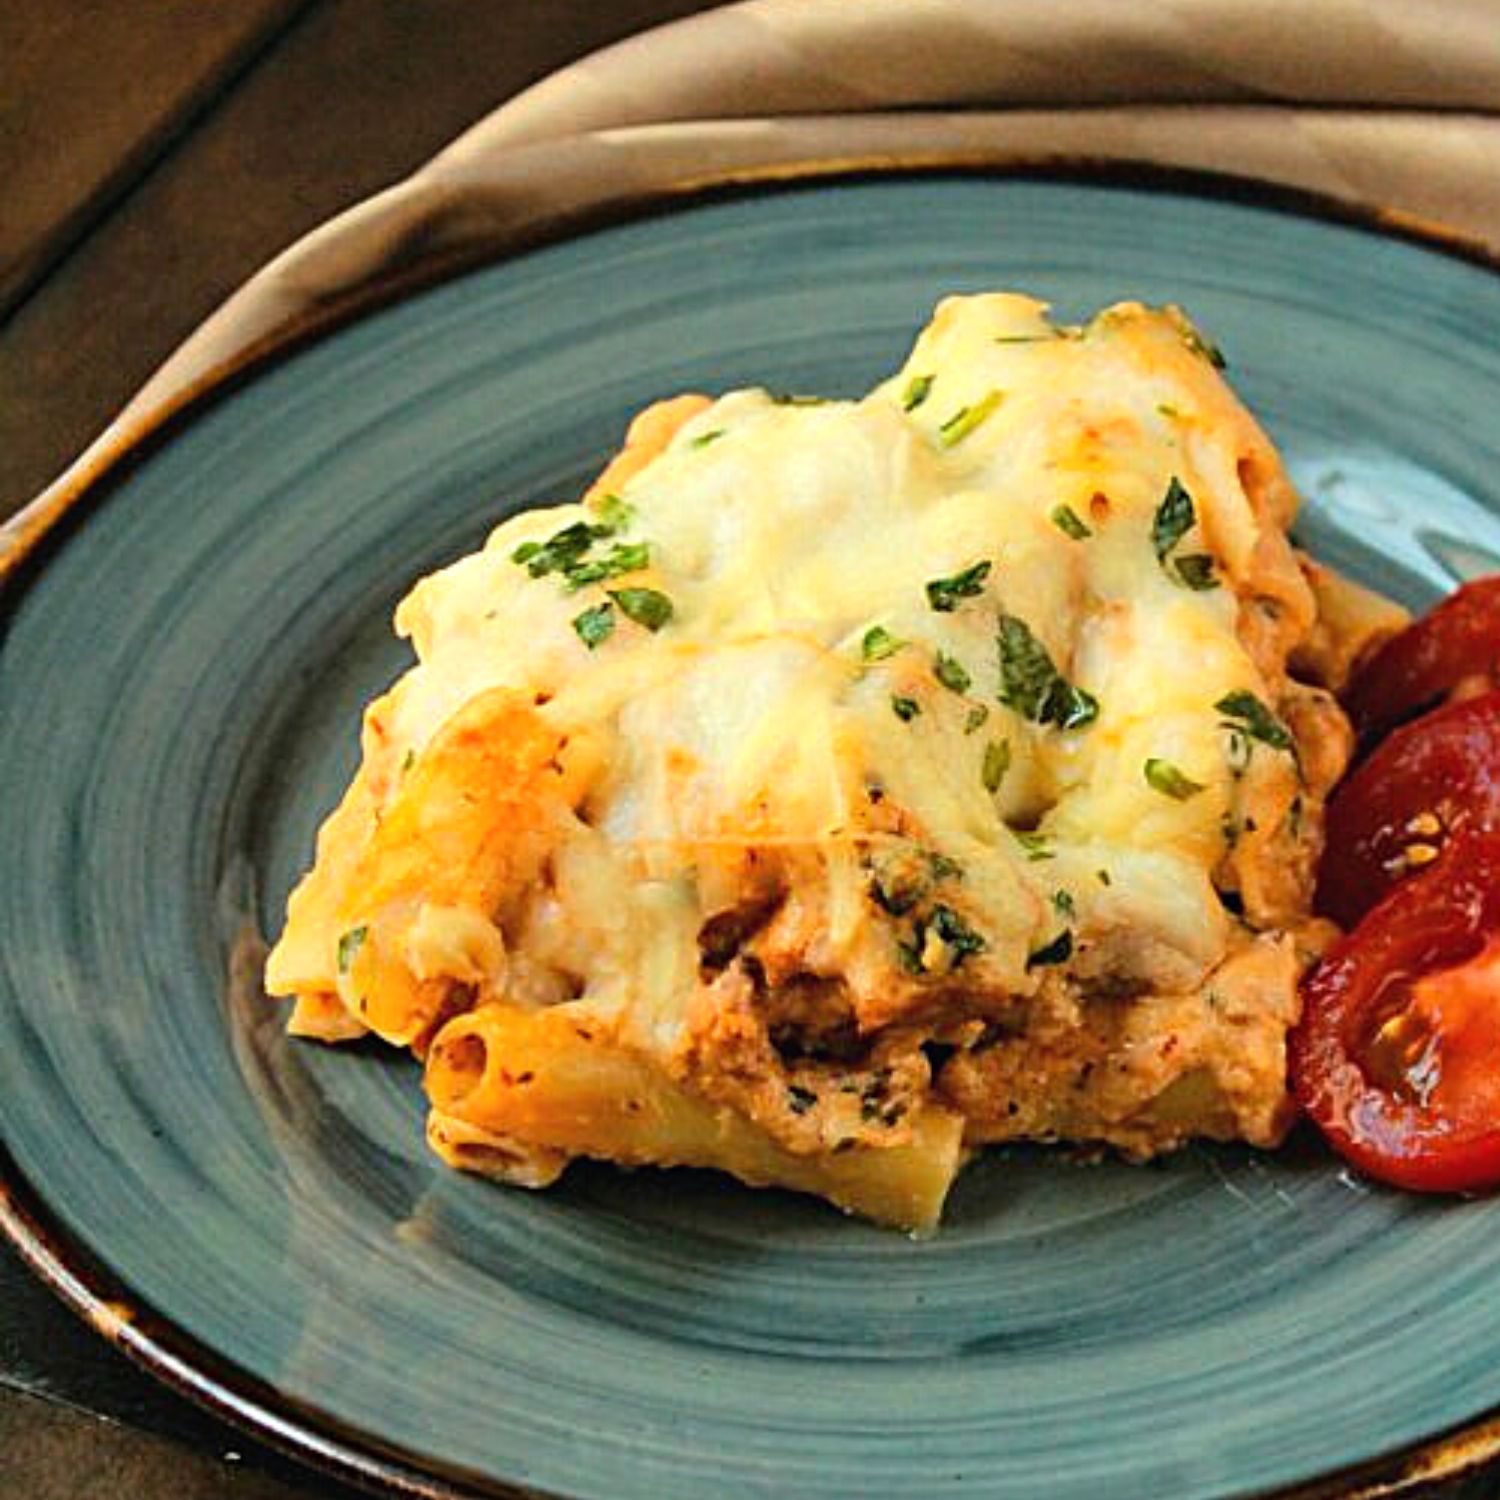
column 1394, row 103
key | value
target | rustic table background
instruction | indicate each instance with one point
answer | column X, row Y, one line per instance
column 152, row 156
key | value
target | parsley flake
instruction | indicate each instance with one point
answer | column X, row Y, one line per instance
column 595, row 624
column 976, row 716
column 614, row 512
column 1035, row 845
column 1196, row 571
column 1173, row 520
column 878, row 643
column 951, row 673
column 1031, row 684
column 1058, row 951
column 560, row 551
column 623, row 557
column 648, row 607
column 967, row 418
column 1062, row 904
column 905, row 709
column 1255, row 719
column 1162, row 776
column 1070, row 523
column 705, row 438
column 943, row 594
column 918, row 389
column 958, row 937
column 996, row 764
column 349, row 944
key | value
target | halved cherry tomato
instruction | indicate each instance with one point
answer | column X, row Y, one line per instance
column 1397, row 1055
column 1393, row 816
column 1458, row 639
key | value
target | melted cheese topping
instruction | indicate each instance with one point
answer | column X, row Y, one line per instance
column 907, row 828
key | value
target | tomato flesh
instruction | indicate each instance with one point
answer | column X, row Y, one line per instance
column 1397, row 1055
column 1394, row 815
column 1458, row 640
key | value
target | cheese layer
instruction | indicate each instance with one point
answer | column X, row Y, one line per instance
column 854, row 762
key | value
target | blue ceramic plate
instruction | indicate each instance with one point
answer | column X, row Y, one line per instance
column 180, row 679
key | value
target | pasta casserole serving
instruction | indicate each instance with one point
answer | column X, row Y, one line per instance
column 843, row 786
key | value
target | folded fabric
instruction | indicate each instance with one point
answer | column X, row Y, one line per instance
column 1379, row 102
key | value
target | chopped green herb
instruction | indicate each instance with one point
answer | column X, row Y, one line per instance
column 705, row 438
column 790, row 398
column 976, row 716
column 1075, row 709
column 958, row 937
column 647, row 607
column 1168, row 411
column 615, row 512
column 951, row 673
column 1102, row 876
column 895, row 887
column 1070, row 523
column 1237, row 752
column 905, row 709
column 901, row 877
column 918, row 389
column 943, row 594
column 1256, row 720
column 996, row 764
column 561, row 550
column 1162, row 776
column 1027, row 338
column 955, row 934
column 910, row 955
column 799, row 1100
column 1031, row 684
column 595, row 624
column 1174, row 519
column 1058, row 951
column 349, row 944
column 623, row 557
column 1062, row 904
column 967, row 418
column 1035, row 844
column 878, row 643
column 1196, row 571
column 408, row 760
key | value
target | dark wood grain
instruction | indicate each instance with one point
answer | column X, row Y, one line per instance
column 354, row 96
column 90, row 92
column 53, row 1452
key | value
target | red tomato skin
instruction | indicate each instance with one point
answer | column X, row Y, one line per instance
column 1459, row 638
column 1445, row 764
column 1436, row 920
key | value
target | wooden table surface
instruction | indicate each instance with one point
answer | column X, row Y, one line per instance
column 153, row 156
